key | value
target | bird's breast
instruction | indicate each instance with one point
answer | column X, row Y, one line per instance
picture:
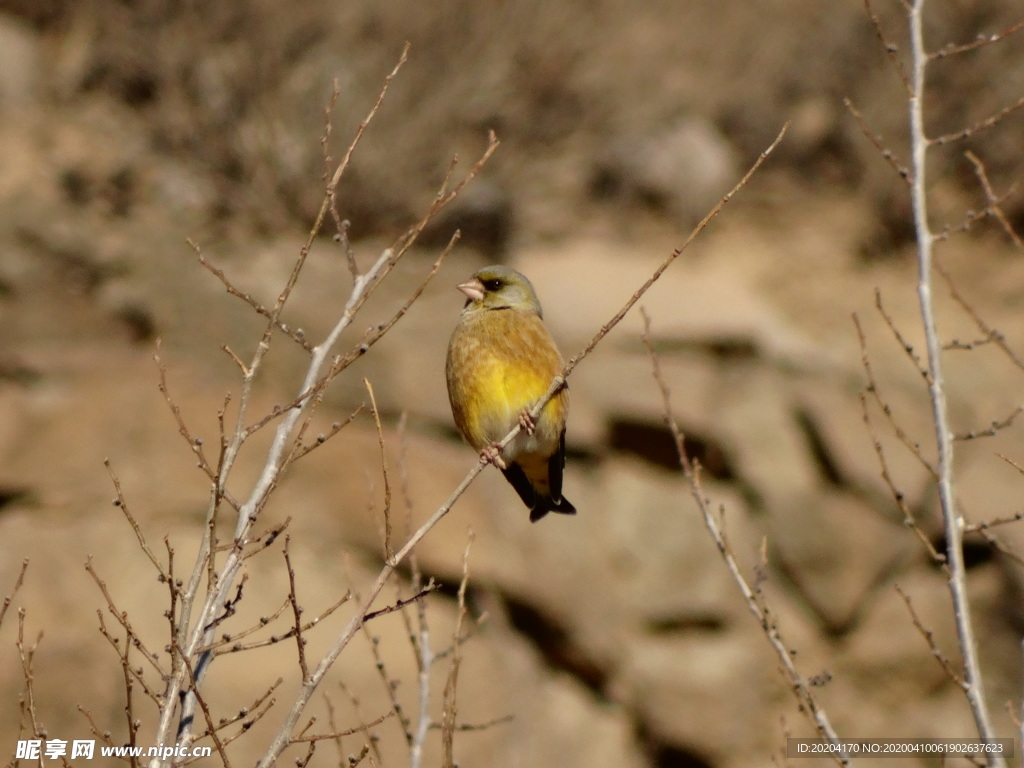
column 500, row 363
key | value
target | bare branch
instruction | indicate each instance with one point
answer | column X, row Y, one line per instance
column 993, row 199
column 875, row 392
column 9, row 597
column 293, row 600
column 383, row 469
column 994, row 429
column 953, row 521
column 890, row 48
column 121, row 504
column 981, row 125
column 996, row 336
column 929, row 638
column 449, row 710
column 887, row 154
column 952, row 49
column 800, row 686
column 295, row 335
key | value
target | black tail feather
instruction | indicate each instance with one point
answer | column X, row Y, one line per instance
column 539, row 505
column 547, row 504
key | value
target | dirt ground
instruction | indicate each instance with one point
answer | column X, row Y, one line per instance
column 616, row 638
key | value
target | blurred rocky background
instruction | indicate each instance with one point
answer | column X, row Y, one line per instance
column 616, row 638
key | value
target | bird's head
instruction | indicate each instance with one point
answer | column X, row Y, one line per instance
column 499, row 287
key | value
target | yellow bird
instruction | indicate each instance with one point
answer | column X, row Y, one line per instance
column 501, row 360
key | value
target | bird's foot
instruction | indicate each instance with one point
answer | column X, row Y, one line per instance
column 527, row 423
column 492, row 455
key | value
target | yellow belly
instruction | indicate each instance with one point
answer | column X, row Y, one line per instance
column 500, row 363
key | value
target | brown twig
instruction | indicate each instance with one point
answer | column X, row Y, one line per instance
column 231, row 644
column 875, row 392
column 372, row 743
column 909, row 520
column 336, row 427
column 449, row 709
column 195, row 445
column 908, row 348
column 335, row 734
column 981, row 125
column 997, row 336
column 383, row 468
column 27, row 700
column 992, row 430
column 952, row 49
column 293, row 600
column 212, row 729
column 887, row 154
column 9, row 597
column 122, row 619
column 890, row 48
column 992, row 198
column 295, row 335
column 1016, row 517
column 122, row 504
column 929, row 637
column 330, row 199
column 261, row 705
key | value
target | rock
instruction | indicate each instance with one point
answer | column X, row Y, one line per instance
column 767, row 449
column 838, row 552
column 678, row 687
column 708, row 305
column 20, row 62
column 683, row 170
column 485, row 217
column 831, row 411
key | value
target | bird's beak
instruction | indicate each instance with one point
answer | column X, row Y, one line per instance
column 474, row 289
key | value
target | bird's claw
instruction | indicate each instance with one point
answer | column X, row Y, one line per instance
column 492, row 455
column 527, row 423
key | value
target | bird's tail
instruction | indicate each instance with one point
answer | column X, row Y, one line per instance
column 545, row 504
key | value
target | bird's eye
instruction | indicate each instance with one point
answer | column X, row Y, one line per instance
column 493, row 284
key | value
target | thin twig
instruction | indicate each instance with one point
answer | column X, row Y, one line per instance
column 383, row 468
column 993, row 199
column 875, row 392
column 953, row 49
column 908, row 348
column 981, row 125
column 122, row 504
column 449, row 709
column 295, row 335
column 691, row 469
column 890, row 48
column 293, row 600
column 995, row 335
column 994, row 429
column 887, row 154
column 9, row 597
column 929, row 637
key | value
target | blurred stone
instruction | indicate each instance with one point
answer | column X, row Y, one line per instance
column 483, row 214
column 678, row 686
column 708, row 305
column 838, row 552
column 759, row 432
column 833, row 411
column 683, row 170
column 20, row 61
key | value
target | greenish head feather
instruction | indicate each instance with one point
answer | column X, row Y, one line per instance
column 499, row 287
